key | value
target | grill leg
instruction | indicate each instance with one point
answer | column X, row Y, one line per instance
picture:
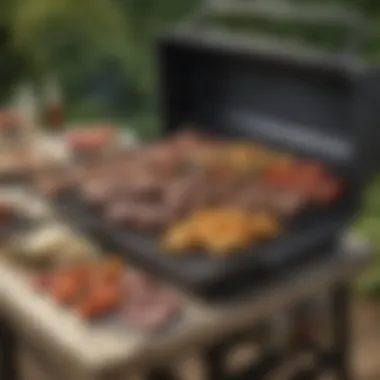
column 161, row 374
column 214, row 362
column 9, row 369
column 342, row 330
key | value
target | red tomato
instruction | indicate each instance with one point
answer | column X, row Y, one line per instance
column 42, row 283
column 279, row 178
column 79, row 274
column 65, row 290
column 88, row 309
column 307, row 176
column 6, row 213
column 327, row 192
column 100, row 302
column 310, row 170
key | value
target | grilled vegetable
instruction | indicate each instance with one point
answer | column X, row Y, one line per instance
column 101, row 301
column 221, row 231
column 66, row 289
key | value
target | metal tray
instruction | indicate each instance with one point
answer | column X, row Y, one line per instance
column 310, row 235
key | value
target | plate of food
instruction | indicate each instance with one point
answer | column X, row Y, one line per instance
column 106, row 292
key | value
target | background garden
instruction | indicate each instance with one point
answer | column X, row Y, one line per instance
column 101, row 51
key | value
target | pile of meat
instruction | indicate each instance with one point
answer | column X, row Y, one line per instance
column 153, row 187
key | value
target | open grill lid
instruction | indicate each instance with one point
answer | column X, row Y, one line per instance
column 313, row 104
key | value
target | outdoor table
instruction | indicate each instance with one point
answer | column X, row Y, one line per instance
column 70, row 349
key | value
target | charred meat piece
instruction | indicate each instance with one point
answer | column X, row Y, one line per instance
column 52, row 187
column 102, row 300
column 91, row 173
column 210, row 194
column 310, row 171
column 186, row 193
column 288, row 204
column 97, row 192
column 189, row 140
column 153, row 217
column 148, row 185
column 123, row 213
column 7, row 213
column 149, row 217
column 197, row 190
column 161, row 159
column 222, row 174
column 207, row 156
column 54, row 180
column 150, row 306
column 218, row 194
column 154, row 315
column 107, row 272
column 141, row 187
column 251, row 197
column 143, row 286
column 256, row 198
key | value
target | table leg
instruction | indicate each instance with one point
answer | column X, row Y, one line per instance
column 341, row 329
column 9, row 368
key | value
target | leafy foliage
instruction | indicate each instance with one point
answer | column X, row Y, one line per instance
column 77, row 40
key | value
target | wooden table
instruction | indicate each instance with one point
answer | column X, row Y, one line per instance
column 71, row 349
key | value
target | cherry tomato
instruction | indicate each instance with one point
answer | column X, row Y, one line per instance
column 6, row 213
column 88, row 309
column 327, row 192
column 79, row 274
column 101, row 301
column 106, row 277
column 279, row 178
column 310, row 170
column 65, row 290
column 42, row 283
column 305, row 175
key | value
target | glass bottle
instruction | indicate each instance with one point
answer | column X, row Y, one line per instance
column 53, row 105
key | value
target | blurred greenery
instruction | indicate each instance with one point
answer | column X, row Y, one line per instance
column 101, row 50
column 83, row 42
column 78, row 40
